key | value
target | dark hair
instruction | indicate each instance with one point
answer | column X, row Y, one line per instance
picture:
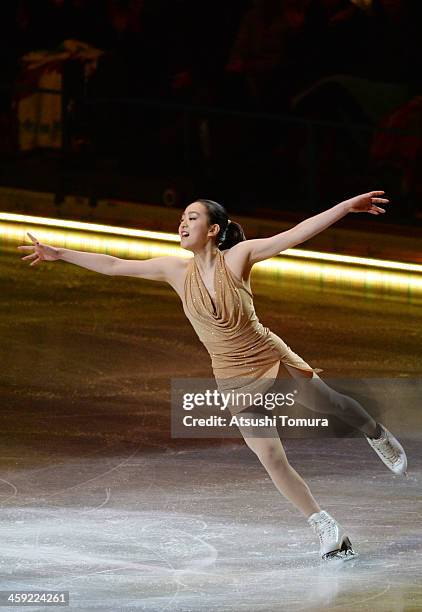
column 230, row 232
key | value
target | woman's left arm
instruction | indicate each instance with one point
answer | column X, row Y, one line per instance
column 264, row 248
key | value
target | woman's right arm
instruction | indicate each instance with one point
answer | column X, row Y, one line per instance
column 39, row 252
column 163, row 268
column 97, row 262
column 158, row 268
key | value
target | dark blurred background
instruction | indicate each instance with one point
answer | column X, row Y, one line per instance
column 287, row 105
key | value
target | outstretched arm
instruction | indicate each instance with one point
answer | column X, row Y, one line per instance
column 157, row 268
column 43, row 252
column 265, row 248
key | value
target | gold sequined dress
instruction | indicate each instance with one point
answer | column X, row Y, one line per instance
column 245, row 355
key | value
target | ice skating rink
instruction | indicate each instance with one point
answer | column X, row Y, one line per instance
column 97, row 499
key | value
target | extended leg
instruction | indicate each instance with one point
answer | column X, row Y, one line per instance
column 316, row 395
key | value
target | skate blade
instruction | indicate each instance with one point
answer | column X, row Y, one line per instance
column 345, row 553
column 340, row 556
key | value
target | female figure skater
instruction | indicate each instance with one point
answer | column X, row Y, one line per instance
column 214, row 286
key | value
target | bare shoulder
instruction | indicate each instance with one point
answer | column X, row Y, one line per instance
column 237, row 259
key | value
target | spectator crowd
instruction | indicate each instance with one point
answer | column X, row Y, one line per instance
column 320, row 59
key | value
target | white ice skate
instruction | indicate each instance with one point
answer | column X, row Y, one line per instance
column 389, row 450
column 334, row 543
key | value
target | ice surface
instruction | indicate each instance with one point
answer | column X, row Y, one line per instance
column 205, row 529
column 97, row 499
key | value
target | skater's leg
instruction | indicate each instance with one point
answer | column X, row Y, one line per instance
column 333, row 540
column 316, row 395
column 270, row 452
column 334, row 543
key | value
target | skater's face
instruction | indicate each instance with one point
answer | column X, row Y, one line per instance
column 194, row 229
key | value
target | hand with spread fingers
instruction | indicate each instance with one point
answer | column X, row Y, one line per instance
column 40, row 252
column 367, row 202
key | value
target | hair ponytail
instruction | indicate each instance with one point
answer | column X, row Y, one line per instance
column 230, row 232
column 231, row 235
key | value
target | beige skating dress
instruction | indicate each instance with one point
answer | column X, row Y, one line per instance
column 245, row 355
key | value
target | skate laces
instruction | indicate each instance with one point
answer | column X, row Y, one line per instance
column 386, row 449
column 325, row 527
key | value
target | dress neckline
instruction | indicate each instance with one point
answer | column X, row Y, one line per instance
column 214, row 305
column 240, row 283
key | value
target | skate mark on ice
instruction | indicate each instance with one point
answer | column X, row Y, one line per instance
column 13, row 487
column 195, row 565
column 358, row 602
column 79, row 484
column 168, row 567
column 108, row 496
